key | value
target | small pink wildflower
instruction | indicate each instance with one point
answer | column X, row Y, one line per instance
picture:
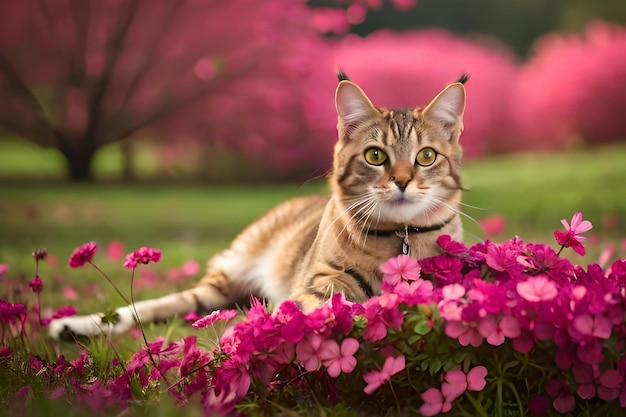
column 466, row 332
column 375, row 379
column 476, row 378
column 115, row 250
column 535, row 289
column 144, row 255
column 40, row 254
column 308, row 351
column 65, row 311
column 493, row 225
column 496, row 330
column 83, row 254
column 434, row 403
column 190, row 267
column 400, row 267
column 456, row 382
column 338, row 359
column 208, row 320
column 570, row 238
column 593, row 325
column 36, row 284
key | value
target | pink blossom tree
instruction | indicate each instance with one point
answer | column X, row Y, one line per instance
column 78, row 75
column 572, row 88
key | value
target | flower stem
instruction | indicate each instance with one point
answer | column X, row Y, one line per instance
column 111, row 282
column 560, row 250
column 143, row 333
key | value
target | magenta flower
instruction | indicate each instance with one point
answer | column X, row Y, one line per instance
column 466, row 332
column 115, row 250
column 536, row 289
column 592, row 325
column 143, row 255
column 83, row 254
column 400, row 267
column 570, row 238
column 308, row 351
column 495, row 331
column 338, row 359
column 208, row 320
column 476, row 378
column 434, row 403
column 375, row 379
column 36, row 284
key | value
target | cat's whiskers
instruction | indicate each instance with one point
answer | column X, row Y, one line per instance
column 363, row 200
column 442, row 202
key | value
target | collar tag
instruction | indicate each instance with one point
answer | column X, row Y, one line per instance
column 406, row 248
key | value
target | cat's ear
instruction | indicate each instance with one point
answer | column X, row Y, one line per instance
column 352, row 105
column 447, row 108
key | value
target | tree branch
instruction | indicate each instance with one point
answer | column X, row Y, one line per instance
column 115, row 47
column 21, row 89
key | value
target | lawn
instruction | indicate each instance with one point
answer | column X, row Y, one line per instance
column 531, row 192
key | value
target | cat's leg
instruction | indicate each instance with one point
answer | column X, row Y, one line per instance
column 210, row 294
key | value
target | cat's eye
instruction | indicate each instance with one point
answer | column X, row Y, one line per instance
column 375, row 156
column 426, row 157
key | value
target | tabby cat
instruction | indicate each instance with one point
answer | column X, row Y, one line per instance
column 395, row 188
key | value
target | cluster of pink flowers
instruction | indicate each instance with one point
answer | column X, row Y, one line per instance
column 495, row 328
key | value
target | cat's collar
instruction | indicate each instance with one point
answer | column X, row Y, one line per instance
column 407, row 230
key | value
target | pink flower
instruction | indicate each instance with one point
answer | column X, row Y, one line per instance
column 536, row 289
column 400, row 267
column 570, row 238
column 208, row 320
column 467, row 333
column 40, row 254
column 338, row 359
column 83, row 254
column 375, row 379
column 115, row 250
column 597, row 325
column 434, row 403
column 493, row 225
column 495, row 331
column 36, row 285
column 454, row 385
column 144, row 255
column 308, row 351
column 476, row 378
column 563, row 400
column 65, row 311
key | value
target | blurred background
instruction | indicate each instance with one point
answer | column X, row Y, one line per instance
column 174, row 123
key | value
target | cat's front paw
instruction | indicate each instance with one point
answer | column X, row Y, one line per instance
column 84, row 326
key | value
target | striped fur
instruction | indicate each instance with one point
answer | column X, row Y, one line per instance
column 309, row 248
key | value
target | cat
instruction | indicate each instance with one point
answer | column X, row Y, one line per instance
column 395, row 187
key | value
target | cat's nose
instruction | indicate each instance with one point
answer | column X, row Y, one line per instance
column 401, row 174
column 401, row 183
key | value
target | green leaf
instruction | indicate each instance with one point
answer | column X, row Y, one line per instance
column 422, row 327
column 434, row 366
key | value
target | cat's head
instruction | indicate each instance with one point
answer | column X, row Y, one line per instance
column 398, row 166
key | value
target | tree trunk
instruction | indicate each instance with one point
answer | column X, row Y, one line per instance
column 79, row 160
column 128, row 166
